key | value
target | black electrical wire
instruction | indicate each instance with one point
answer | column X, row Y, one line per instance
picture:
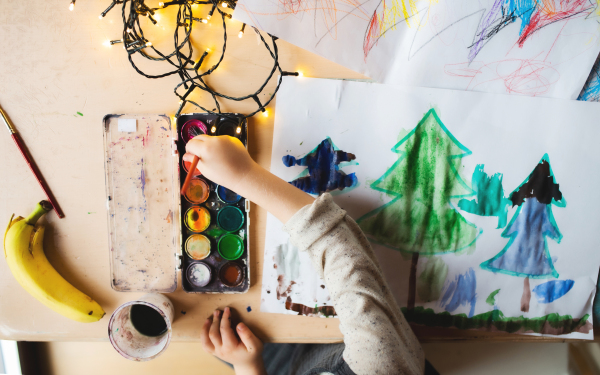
column 180, row 60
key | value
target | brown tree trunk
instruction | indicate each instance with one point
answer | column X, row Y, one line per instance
column 526, row 296
column 412, row 282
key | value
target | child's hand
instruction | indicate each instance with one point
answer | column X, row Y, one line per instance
column 219, row 340
column 223, row 159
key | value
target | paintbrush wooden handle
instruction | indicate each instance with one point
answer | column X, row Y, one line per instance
column 188, row 178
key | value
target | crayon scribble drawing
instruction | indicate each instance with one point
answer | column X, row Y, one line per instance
column 533, row 15
column 526, row 47
column 419, row 219
column 591, row 90
column 526, row 254
column 322, row 173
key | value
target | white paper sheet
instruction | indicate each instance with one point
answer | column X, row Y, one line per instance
column 507, row 134
column 530, row 47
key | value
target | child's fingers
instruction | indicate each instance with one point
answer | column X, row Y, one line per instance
column 196, row 145
column 229, row 338
column 188, row 156
column 213, row 333
column 206, row 343
column 251, row 342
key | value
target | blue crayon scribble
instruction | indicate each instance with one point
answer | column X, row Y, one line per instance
column 248, row 308
column 460, row 292
column 591, row 89
column 163, row 128
column 534, row 15
column 324, row 173
column 552, row 290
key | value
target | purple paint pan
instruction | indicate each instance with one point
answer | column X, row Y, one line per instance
column 192, row 128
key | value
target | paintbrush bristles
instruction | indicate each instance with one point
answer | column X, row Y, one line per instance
column 188, row 178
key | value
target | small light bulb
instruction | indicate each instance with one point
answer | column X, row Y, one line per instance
column 238, row 130
column 208, row 50
column 208, row 17
column 240, row 34
column 148, row 44
column 156, row 18
column 72, row 6
column 300, row 75
column 266, row 113
column 181, row 101
column 213, row 129
column 100, row 17
column 204, row 21
column 224, row 4
column 107, row 43
column 129, row 30
column 161, row 4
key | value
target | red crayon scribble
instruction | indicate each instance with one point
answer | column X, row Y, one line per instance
column 373, row 33
column 546, row 14
column 530, row 77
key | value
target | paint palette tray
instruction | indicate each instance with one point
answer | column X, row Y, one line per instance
column 153, row 231
column 142, row 202
column 214, row 221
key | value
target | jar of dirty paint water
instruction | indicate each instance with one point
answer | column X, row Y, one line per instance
column 140, row 330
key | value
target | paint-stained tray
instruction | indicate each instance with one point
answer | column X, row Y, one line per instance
column 142, row 202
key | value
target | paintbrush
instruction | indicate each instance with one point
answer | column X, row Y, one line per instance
column 31, row 164
column 188, row 178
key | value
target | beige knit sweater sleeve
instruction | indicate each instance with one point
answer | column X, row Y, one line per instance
column 378, row 339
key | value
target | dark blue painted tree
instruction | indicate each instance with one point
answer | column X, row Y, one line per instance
column 324, row 174
column 526, row 254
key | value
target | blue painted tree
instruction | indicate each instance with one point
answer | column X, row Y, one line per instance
column 323, row 169
column 526, row 254
column 490, row 200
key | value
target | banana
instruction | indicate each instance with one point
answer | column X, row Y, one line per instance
column 24, row 252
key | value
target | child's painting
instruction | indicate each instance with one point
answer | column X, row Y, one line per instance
column 462, row 195
column 525, row 47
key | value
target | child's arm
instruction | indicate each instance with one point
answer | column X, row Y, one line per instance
column 377, row 337
column 225, row 161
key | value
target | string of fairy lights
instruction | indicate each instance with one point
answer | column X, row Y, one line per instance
column 191, row 71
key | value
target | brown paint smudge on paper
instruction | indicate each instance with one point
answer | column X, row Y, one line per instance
column 309, row 311
column 526, row 296
column 282, row 289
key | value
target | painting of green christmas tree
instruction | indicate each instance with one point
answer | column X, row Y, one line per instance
column 420, row 218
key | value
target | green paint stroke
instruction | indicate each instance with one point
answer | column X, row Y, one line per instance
column 420, row 219
column 80, row 114
column 549, row 324
column 490, row 199
column 215, row 232
column 432, row 279
column 491, row 300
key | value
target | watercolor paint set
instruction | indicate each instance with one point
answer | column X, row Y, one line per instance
column 154, row 231
column 215, row 220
